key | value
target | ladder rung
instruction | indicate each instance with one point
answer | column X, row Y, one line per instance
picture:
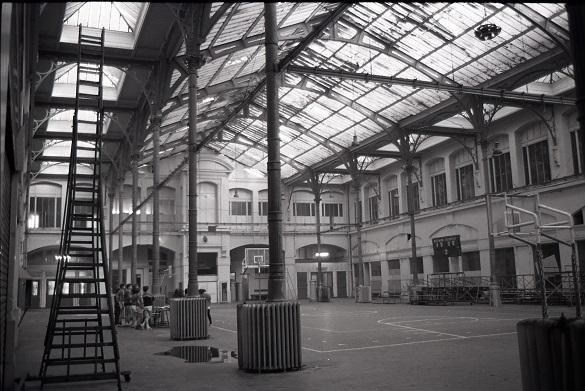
column 78, row 360
column 83, row 121
column 85, row 295
column 84, row 312
column 95, row 71
column 85, row 202
column 80, row 377
column 81, row 345
column 83, row 217
column 89, row 83
column 88, row 189
column 83, row 266
column 81, row 241
column 86, row 95
column 80, row 328
column 98, row 37
column 83, row 279
column 92, row 38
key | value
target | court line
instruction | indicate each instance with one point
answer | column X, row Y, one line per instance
column 406, row 343
column 221, row 328
column 427, row 331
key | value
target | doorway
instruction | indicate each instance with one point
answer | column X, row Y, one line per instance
column 302, row 292
column 32, row 296
column 341, row 284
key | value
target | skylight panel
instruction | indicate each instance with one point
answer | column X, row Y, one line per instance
column 121, row 20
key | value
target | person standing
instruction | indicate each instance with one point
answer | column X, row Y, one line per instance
column 205, row 295
column 119, row 302
column 129, row 314
column 147, row 301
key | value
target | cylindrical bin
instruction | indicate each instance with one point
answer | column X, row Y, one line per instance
column 363, row 294
column 323, row 293
column 188, row 318
column 552, row 354
column 269, row 336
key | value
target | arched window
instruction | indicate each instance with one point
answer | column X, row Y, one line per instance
column 535, row 154
column 438, row 182
column 464, row 177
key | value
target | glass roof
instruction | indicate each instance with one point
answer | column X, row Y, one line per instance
column 327, row 105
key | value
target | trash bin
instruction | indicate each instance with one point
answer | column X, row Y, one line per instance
column 363, row 294
column 552, row 354
column 188, row 318
column 323, row 293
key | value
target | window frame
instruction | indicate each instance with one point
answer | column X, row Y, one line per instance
column 439, row 198
column 536, row 168
column 461, row 186
column 501, row 180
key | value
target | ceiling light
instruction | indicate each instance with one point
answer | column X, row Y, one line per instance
column 485, row 32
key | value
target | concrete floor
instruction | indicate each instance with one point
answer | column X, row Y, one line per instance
column 345, row 346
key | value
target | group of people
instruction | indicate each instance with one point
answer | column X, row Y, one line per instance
column 133, row 307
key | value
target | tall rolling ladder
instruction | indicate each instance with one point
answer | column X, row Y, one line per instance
column 81, row 342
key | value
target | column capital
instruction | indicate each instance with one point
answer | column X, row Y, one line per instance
column 194, row 62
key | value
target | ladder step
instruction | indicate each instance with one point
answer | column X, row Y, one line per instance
column 79, row 361
column 83, row 121
column 91, row 36
column 83, row 266
column 88, row 189
column 87, row 96
column 84, row 312
column 85, row 295
column 83, row 217
column 80, row 377
column 85, row 202
column 89, row 83
column 77, row 329
column 83, row 279
column 80, row 345
column 94, row 71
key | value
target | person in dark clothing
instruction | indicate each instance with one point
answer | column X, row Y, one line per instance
column 178, row 293
column 147, row 301
column 119, row 300
column 208, row 302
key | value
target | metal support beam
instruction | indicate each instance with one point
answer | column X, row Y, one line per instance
column 414, row 83
column 155, row 123
column 134, row 215
column 277, row 268
column 576, row 15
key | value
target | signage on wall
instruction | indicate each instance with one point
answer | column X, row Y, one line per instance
column 447, row 246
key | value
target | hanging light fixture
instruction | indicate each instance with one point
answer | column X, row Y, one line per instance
column 236, row 195
column 485, row 32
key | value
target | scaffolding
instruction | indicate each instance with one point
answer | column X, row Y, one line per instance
column 524, row 219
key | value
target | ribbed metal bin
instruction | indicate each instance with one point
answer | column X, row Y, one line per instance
column 552, row 354
column 269, row 336
column 363, row 294
column 188, row 318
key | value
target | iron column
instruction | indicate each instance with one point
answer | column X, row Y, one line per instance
column 155, row 121
column 194, row 61
column 111, row 195
column 276, row 277
column 495, row 299
column 410, row 206
column 134, row 205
